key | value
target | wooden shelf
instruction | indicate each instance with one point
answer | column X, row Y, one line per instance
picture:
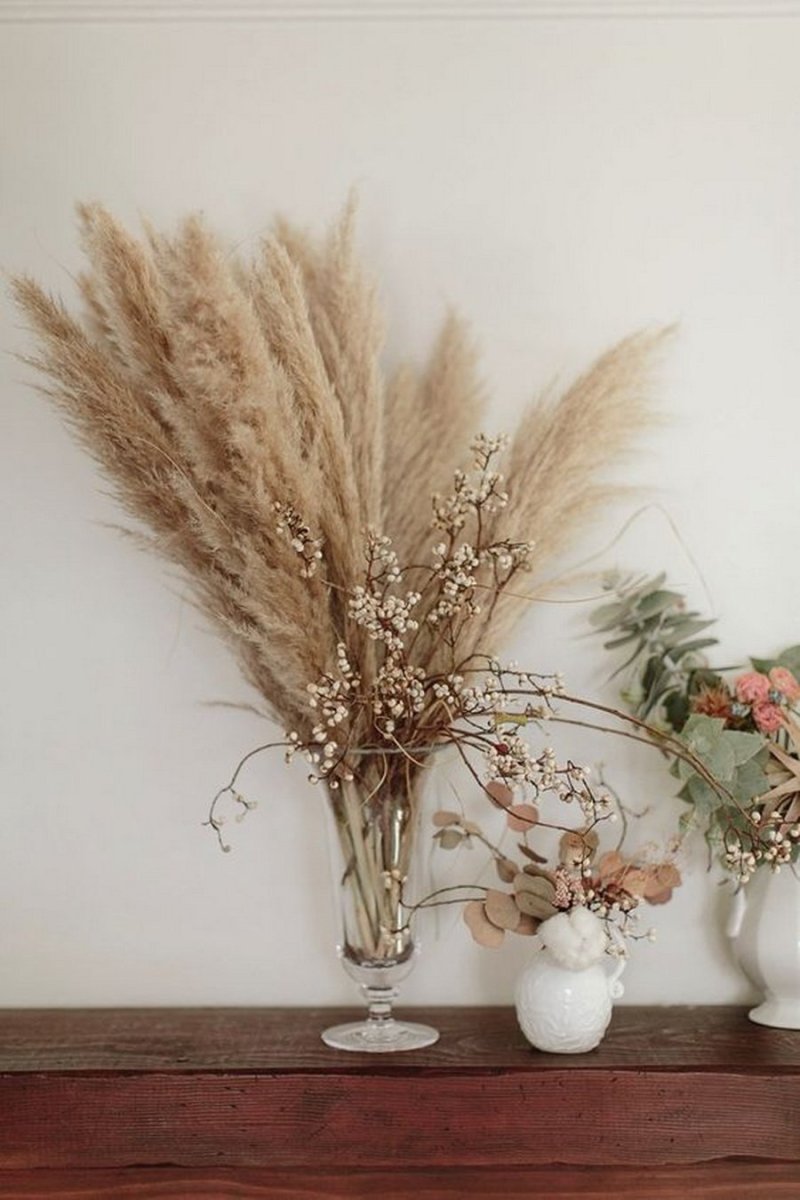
column 249, row 1102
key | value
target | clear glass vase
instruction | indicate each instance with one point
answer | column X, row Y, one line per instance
column 373, row 824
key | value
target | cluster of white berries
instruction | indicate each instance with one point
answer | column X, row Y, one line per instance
column 309, row 548
column 596, row 807
column 464, row 699
column 547, row 768
column 573, row 786
column 385, row 619
column 511, row 761
column 780, row 847
column 457, row 582
column 451, row 512
column 777, row 846
column 740, row 862
column 485, row 448
column 333, row 697
column 616, row 949
column 510, row 556
column 484, row 493
column 383, row 561
column 323, row 758
column 399, row 692
column 505, row 674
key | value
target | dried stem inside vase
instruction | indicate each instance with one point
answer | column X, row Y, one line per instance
column 375, row 821
column 374, row 816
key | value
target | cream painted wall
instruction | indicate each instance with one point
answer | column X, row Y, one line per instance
column 561, row 182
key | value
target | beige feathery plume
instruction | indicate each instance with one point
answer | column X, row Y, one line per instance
column 557, row 459
column 349, row 330
column 220, row 396
column 429, row 422
column 124, row 294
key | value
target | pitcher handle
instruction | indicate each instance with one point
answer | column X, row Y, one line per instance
column 736, row 915
column 615, row 988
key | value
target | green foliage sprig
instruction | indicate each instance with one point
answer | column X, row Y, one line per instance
column 665, row 655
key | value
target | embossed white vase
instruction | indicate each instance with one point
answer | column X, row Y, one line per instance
column 564, row 1000
column 765, row 930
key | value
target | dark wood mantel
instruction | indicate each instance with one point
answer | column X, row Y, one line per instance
column 249, row 1103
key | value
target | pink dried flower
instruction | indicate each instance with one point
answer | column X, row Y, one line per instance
column 767, row 716
column 785, row 682
column 565, row 891
column 753, row 688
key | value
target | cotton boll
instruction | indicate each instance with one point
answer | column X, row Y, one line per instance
column 576, row 939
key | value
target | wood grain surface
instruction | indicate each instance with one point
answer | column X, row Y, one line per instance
column 249, row 1102
column 288, row 1039
column 720, row 1181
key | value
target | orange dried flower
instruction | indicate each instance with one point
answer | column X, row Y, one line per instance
column 712, row 701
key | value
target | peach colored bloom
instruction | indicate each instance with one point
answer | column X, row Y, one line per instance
column 752, row 688
column 767, row 716
column 785, row 682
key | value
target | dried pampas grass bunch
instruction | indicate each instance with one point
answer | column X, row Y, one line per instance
column 355, row 538
column 234, row 402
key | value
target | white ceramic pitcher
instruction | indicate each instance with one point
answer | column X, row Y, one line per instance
column 566, row 1009
column 764, row 927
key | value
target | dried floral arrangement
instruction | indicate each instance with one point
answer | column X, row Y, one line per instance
column 743, row 725
column 241, row 411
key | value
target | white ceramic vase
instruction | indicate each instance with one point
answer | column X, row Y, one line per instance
column 563, row 1010
column 764, row 927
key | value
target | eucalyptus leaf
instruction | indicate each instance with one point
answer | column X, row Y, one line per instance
column 507, row 869
column 676, row 653
column 534, row 905
column 653, row 669
column 790, row 659
column 445, row 817
column 676, row 707
column 537, row 885
column 744, row 745
column 750, row 779
column 658, row 602
column 702, row 796
column 531, row 854
column 703, row 678
column 607, row 615
column 686, row 626
column 501, row 909
column 623, row 641
column 482, row 929
column 682, row 769
column 705, row 736
column 631, row 659
column 448, row 839
column 657, row 582
column 702, row 730
column 687, row 821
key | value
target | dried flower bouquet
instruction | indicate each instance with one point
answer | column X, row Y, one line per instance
column 744, row 726
column 241, row 411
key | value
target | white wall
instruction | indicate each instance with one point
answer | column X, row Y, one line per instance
column 560, row 181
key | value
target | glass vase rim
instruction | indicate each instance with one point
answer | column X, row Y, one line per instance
column 416, row 751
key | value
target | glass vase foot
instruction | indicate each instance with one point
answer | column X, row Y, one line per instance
column 380, row 1037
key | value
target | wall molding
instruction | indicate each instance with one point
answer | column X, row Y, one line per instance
column 41, row 11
